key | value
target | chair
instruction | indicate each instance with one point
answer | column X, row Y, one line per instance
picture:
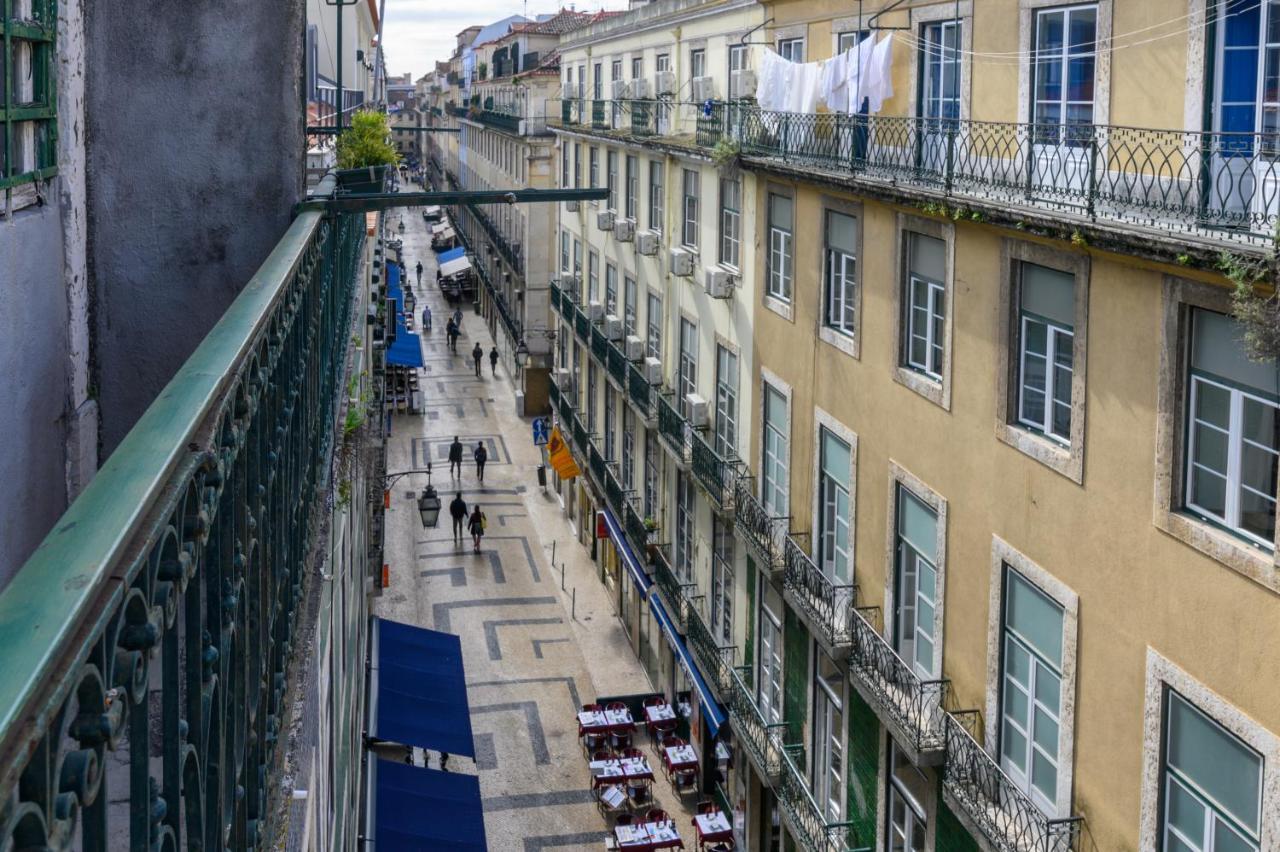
column 706, row 806
column 639, row 794
column 655, row 701
column 615, row 705
column 593, row 741
column 722, row 846
column 620, row 740
column 624, row 819
column 602, row 754
column 634, row 753
column 686, row 781
column 656, row 815
column 658, row 731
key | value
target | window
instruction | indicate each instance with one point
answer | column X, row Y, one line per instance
column 650, row 473
column 781, row 262
column 610, row 420
column 1246, row 97
column 610, row 289
column 908, row 789
column 582, row 81
column 916, row 592
column 791, row 49
column 849, row 40
column 769, row 683
column 777, row 453
column 597, row 82
column 1233, row 433
column 689, row 233
column 664, row 62
column 611, row 178
column 593, row 276
column 1062, row 65
column 926, row 304
column 698, row 63
column 722, row 549
column 566, row 333
column 726, row 403
column 564, row 166
column 594, row 173
column 738, row 58
column 730, row 220
column 577, row 262
column 1212, row 784
column 577, row 164
column 1046, row 350
column 628, row 463
column 688, row 377
column 633, row 187
column 629, row 297
column 578, row 388
column 684, row 527
column 637, row 68
column 591, row 396
column 564, row 251
column 841, row 276
column 653, row 321
column 834, row 464
column 655, row 195
column 828, row 736
column 1031, row 689
column 940, row 77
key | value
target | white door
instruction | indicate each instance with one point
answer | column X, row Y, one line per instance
column 1061, row 132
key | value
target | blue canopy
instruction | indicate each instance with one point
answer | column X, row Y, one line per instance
column 419, row 689
column 405, row 350
column 417, row 808
column 634, row 568
column 452, row 254
column 713, row 712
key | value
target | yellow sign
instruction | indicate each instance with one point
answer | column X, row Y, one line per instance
column 560, row 457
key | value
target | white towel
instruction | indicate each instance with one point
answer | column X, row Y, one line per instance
column 879, row 86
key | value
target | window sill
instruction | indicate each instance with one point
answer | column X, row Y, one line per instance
column 1061, row 458
column 846, row 344
column 935, row 390
column 780, row 307
column 22, row 197
column 1244, row 558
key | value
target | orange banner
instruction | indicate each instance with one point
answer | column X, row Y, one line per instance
column 559, row 456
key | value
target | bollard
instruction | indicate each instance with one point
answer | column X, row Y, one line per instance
column 573, row 611
column 553, row 553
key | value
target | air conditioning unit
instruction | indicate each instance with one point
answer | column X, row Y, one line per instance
column 703, row 89
column 624, row 230
column 571, row 206
column 652, row 370
column 595, row 311
column 697, row 410
column 613, row 327
column 564, row 380
column 604, row 220
column 635, row 348
column 742, row 84
column 681, row 262
column 621, row 90
column 640, row 88
column 720, row 282
column 647, row 243
column 664, row 82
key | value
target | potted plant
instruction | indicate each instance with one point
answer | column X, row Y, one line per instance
column 365, row 153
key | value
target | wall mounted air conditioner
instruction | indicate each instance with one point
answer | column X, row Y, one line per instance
column 595, row 311
column 697, row 410
column 647, row 243
column 664, row 83
column 624, row 230
column 571, row 206
column 720, row 282
column 703, row 89
column 652, row 370
column 634, row 348
column 640, row 88
column 681, row 262
column 742, row 84
column 613, row 327
column 621, row 90
column 604, row 220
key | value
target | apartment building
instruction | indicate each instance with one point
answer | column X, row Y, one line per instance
column 1005, row 569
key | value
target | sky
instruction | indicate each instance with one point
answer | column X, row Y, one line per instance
column 419, row 32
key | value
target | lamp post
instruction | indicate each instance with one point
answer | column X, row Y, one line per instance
column 428, row 501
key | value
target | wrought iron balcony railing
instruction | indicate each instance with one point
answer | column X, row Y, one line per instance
column 715, row 473
column 599, row 115
column 912, row 706
column 500, row 120
column 582, row 325
column 640, row 392
column 599, row 346
column 679, row 594
column 636, row 531
column 673, row 429
column 596, row 462
column 613, row 491
column 555, row 296
column 642, row 115
column 1222, row 185
column 809, row 824
column 617, row 364
column 566, row 412
column 764, row 534
column 580, row 435
column 571, row 111
column 828, row 606
column 750, row 726
column 981, row 794
column 714, row 660
column 160, row 609
column 553, row 392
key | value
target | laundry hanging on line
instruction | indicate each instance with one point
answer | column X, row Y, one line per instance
column 863, row 73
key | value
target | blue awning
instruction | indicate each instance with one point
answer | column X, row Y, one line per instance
column 418, row 689
column 714, row 712
column 452, row 254
column 415, row 808
column 638, row 576
column 404, row 351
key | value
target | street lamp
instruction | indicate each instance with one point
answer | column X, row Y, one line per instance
column 522, row 354
column 429, row 507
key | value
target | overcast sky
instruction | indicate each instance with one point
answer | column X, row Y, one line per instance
column 419, row 32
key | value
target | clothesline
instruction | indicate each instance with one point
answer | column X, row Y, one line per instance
column 863, row 73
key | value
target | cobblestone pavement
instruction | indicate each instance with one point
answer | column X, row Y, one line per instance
column 534, row 648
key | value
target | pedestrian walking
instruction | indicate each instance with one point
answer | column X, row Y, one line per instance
column 477, row 355
column 458, row 511
column 419, row 268
column 426, row 317
column 493, row 360
column 477, row 524
column 457, row 318
column 451, row 336
column 481, row 456
column 455, row 456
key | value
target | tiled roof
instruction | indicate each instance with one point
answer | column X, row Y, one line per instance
column 565, row 21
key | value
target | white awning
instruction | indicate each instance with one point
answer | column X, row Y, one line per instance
column 440, row 228
column 453, row 267
column 433, row 209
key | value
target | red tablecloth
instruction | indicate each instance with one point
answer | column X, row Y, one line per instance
column 713, row 827
column 648, row 836
column 680, row 757
column 620, row 771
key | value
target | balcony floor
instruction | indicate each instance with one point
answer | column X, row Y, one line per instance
column 528, row 663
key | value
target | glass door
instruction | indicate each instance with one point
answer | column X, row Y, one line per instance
column 1061, row 132
column 939, row 95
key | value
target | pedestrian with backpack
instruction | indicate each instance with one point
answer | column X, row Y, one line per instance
column 477, row 524
column 481, row 456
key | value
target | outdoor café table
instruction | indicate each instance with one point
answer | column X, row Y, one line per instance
column 659, row 713
column 713, row 827
column 617, row 771
column 680, row 757
column 619, row 718
column 592, row 722
column 647, row 836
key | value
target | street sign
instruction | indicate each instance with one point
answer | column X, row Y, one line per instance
column 541, row 431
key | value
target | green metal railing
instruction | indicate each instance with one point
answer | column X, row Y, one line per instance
column 555, row 297
column 750, row 726
column 598, row 115
column 809, row 824
column 596, row 462
column 714, row 473
column 553, row 393
column 676, row 592
column 599, row 346
column 500, row 120
column 642, row 118
column 673, row 430
column 617, row 364
column 582, row 325
column 161, row 608
column 715, row 661
column 636, row 530
column 828, row 606
column 640, row 391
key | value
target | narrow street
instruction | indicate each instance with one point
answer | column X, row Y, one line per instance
column 537, row 643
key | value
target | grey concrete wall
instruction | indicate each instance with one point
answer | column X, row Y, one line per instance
column 194, row 119
column 33, row 382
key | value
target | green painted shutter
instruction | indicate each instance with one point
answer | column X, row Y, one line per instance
column 863, row 768
column 950, row 834
column 749, row 645
column 795, row 678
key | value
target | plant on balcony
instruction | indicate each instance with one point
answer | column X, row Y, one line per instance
column 484, row 70
column 726, row 155
column 365, row 153
column 650, row 524
column 1258, row 313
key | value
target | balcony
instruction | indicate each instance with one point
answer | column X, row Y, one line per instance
column 499, row 120
column 749, row 726
column 764, row 534
column 571, row 112
column 990, row 805
column 599, row 345
column 555, row 297
column 617, row 365
column 582, row 325
column 1218, row 186
column 673, row 431
column 911, row 707
column 679, row 596
column 714, row 473
column 613, row 491
column 580, row 435
column 599, row 115
column 642, row 115
column 595, row 463
column 808, row 823
column 553, row 393
column 162, row 605
column 714, row 660
column 636, row 530
column 641, row 393
column 827, row 606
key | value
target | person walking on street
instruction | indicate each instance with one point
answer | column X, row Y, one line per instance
column 493, row 360
column 457, row 318
column 477, row 525
column 451, row 336
column 477, row 355
column 458, row 511
column 426, row 318
column 419, row 268
column 455, row 456
column 481, row 456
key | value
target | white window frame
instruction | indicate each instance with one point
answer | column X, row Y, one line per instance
column 1054, row 332
column 631, row 202
column 610, row 288
column 830, row 726
column 686, row 510
column 630, row 294
column 769, row 662
column 697, row 62
column 628, row 457
column 835, row 515
column 653, row 326
column 726, row 425
column 791, row 49
column 722, row 571
column 657, row 189
column 840, row 299
column 781, row 251
column 1062, row 58
column 690, row 186
column 915, row 813
column 610, row 422
column 730, row 222
column 611, row 176
column 909, row 596
column 776, row 452
column 687, row 364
